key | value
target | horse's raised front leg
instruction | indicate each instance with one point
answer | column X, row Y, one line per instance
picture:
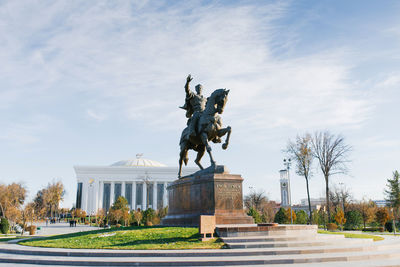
column 204, row 140
column 222, row 132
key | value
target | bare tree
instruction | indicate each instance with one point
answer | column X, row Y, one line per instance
column 331, row 153
column 300, row 151
column 255, row 200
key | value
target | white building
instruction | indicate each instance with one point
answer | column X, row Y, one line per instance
column 141, row 181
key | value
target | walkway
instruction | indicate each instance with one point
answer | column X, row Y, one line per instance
column 62, row 228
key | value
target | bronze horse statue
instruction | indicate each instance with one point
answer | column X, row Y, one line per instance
column 208, row 128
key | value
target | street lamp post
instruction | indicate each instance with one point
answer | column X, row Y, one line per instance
column 91, row 202
column 342, row 193
column 287, row 163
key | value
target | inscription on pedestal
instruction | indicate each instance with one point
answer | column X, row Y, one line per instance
column 228, row 196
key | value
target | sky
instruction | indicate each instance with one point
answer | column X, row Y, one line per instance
column 95, row 82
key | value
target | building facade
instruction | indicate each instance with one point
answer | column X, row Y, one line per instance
column 141, row 181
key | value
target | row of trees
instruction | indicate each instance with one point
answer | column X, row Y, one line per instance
column 14, row 209
column 346, row 212
column 119, row 214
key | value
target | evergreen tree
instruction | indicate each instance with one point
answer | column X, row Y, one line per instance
column 255, row 214
column 393, row 192
column 354, row 220
column 281, row 216
column 301, row 217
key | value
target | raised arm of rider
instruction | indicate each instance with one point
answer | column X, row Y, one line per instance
column 188, row 80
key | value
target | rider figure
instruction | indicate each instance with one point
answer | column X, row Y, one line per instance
column 195, row 104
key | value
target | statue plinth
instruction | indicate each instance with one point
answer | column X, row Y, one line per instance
column 218, row 194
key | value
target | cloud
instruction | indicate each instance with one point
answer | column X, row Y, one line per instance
column 96, row 116
column 131, row 59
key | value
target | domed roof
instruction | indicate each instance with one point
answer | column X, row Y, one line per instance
column 138, row 162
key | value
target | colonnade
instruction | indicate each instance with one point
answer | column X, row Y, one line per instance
column 93, row 195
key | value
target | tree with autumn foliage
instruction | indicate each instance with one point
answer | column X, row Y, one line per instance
column 382, row 216
column 339, row 218
column 12, row 197
column 367, row 209
column 300, row 151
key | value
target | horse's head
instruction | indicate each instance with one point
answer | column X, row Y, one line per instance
column 221, row 100
column 216, row 102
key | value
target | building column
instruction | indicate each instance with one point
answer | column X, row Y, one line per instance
column 155, row 196
column 144, row 195
column 165, row 197
column 112, row 194
column 123, row 189
column 133, row 195
column 95, row 197
column 101, row 192
column 85, row 195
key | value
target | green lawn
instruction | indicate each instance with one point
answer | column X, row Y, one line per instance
column 154, row 237
column 352, row 235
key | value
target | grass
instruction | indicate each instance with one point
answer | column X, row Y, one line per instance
column 154, row 237
column 353, row 235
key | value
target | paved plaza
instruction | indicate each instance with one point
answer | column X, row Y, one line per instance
column 61, row 228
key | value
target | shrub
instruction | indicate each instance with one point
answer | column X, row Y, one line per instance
column 4, row 226
column 331, row 226
column 301, row 217
column 353, row 220
column 148, row 216
column 389, row 226
column 255, row 214
column 118, row 225
column 280, row 216
column 156, row 220
column 371, row 229
column 31, row 229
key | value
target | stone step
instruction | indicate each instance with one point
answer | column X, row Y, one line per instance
column 280, row 238
column 204, row 261
column 332, row 248
column 264, row 230
column 298, row 243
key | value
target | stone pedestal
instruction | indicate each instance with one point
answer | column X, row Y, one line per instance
column 218, row 194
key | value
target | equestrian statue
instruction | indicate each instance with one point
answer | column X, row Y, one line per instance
column 203, row 125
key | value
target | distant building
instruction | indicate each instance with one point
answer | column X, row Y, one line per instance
column 305, row 208
column 141, row 181
column 314, row 201
column 380, row 203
